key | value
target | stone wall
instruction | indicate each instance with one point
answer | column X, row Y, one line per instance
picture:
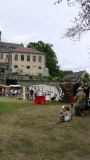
column 24, row 80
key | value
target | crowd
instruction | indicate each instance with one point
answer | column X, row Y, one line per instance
column 80, row 97
column 10, row 91
column 30, row 92
column 80, row 101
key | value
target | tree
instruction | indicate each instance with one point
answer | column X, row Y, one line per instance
column 51, row 59
column 87, row 76
column 82, row 22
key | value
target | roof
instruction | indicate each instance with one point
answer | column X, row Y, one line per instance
column 74, row 75
column 6, row 47
column 27, row 50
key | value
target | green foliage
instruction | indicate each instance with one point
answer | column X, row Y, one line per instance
column 84, row 80
column 86, row 76
column 22, row 78
column 15, row 73
column 7, row 66
column 57, row 79
column 7, row 77
column 50, row 78
column 51, row 59
column 30, row 77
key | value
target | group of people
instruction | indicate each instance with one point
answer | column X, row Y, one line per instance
column 79, row 102
column 4, row 92
column 30, row 93
column 10, row 91
column 80, row 98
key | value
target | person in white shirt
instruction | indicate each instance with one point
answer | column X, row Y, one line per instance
column 3, row 92
column 64, row 116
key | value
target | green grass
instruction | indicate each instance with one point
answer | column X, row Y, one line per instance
column 30, row 132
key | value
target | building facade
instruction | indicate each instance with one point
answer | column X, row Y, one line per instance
column 28, row 61
column 22, row 60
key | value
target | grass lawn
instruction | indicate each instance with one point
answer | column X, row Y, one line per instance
column 30, row 132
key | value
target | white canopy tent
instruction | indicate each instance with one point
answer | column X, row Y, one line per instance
column 47, row 90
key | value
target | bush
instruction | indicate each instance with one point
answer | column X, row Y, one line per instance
column 15, row 73
column 30, row 77
column 50, row 78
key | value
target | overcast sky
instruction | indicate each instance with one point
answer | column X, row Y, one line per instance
column 24, row 21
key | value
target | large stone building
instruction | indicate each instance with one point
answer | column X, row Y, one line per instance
column 28, row 61
column 22, row 60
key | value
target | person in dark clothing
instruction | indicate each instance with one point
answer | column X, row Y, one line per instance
column 86, row 90
column 75, row 90
column 31, row 94
column 76, row 86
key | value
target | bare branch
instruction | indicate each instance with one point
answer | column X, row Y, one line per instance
column 82, row 22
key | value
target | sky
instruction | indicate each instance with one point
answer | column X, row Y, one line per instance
column 24, row 21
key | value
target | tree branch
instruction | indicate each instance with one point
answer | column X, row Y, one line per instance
column 82, row 22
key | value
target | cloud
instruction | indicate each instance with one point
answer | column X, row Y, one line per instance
column 75, row 67
column 32, row 21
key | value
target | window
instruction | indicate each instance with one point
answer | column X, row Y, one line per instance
column 7, row 56
column 22, row 57
column 28, row 58
column 39, row 59
column 15, row 66
column 1, row 56
column 39, row 67
column 34, row 58
column 28, row 67
column 16, row 57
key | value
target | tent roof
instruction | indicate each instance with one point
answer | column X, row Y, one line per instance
column 3, row 86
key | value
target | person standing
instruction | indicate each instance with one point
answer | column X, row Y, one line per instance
column 86, row 90
column 75, row 91
column 31, row 94
column 76, row 86
column 3, row 92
